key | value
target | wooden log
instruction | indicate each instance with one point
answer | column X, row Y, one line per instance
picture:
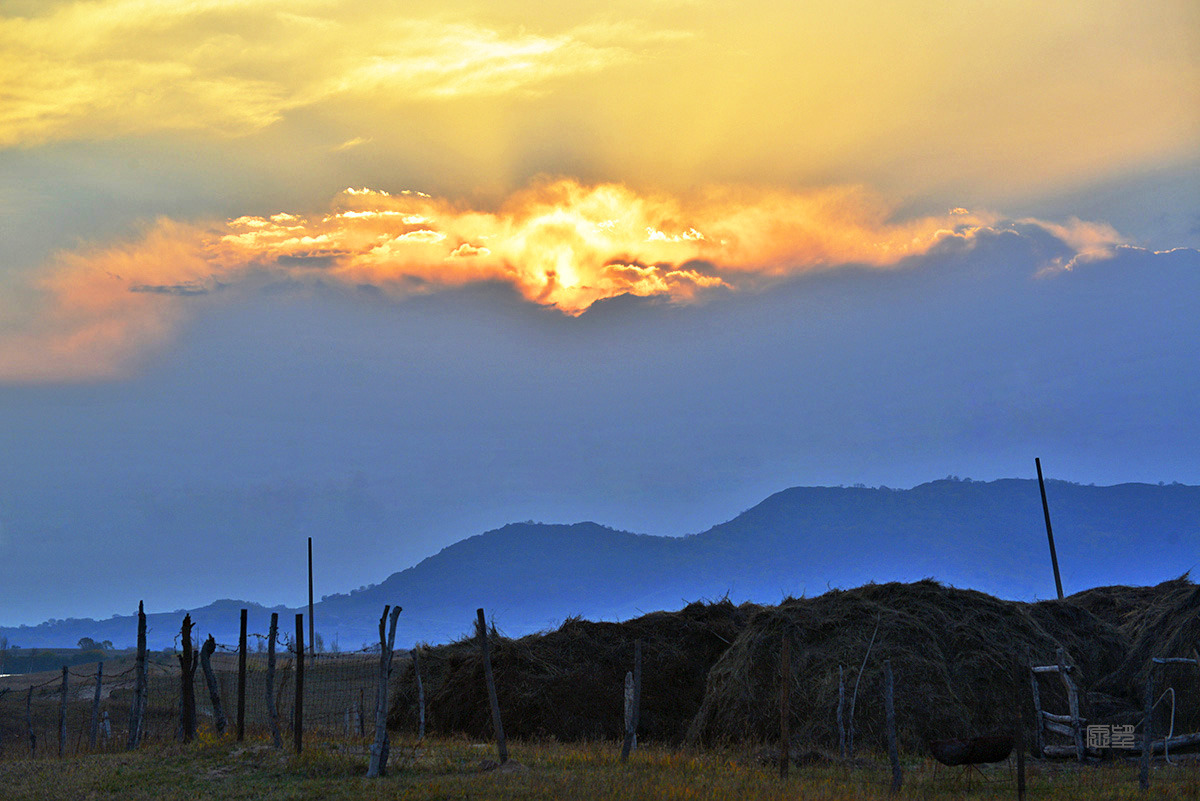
column 210, row 679
column 272, row 709
column 29, row 723
column 187, row 676
column 889, row 708
column 298, row 716
column 1049, row 531
column 1067, row 719
column 94, row 730
column 1053, row 669
column 631, row 729
column 1174, row 660
column 629, row 706
column 241, row 705
column 1147, row 732
column 841, row 724
column 1059, row 728
column 485, row 648
column 1038, row 721
column 785, row 707
column 387, row 642
column 1072, row 705
column 137, row 709
column 416, row 658
column 62, row 715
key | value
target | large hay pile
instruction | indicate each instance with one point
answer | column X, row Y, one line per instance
column 958, row 657
column 569, row 683
column 960, row 660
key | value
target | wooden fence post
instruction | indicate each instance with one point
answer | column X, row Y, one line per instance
column 632, row 727
column 62, row 715
column 137, row 709
column 272, row 710
column 854, row 694
column 29, row 723
column 1147, row 731
column 416, row 658
column 1072, row 706
column 298, row 717
column 629, row 706
column 785, row 683
column 96, row 707
column 387, row 643
column 210, row 679
column 187, row 677
column 241, row 706
column 485, row 647
column 841, row 724
column 889, row 708
column 1049, row 531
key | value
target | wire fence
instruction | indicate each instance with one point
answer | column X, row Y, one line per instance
column 339, row 696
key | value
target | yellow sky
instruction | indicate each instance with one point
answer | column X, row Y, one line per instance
column 998, row 96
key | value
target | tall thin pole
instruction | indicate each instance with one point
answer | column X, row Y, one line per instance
column 241, row 704
column 1049, row 531
column 312, row 640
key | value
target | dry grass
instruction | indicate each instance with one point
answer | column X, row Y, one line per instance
column 217, row 768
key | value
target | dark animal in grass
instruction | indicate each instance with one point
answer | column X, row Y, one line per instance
column 973, row 751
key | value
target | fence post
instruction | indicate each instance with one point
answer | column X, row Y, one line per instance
column 272, row 711
column 187, row 676
column 138, row 709
column 387, row 643
column 629, row 705
column 210, row 678
column 841, row 723
column 298, row 717
column 785, row 681
column 485, row 647
column 1147, row 733
column 890, row 712
column 416, row 658
column 632, row 726
column 29, row 723
column 62, row 715
column 96, row 707
column 241, row 708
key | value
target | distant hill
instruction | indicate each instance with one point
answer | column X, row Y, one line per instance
column 529, row 576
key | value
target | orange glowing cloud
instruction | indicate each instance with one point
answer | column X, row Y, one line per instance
column 560, row 244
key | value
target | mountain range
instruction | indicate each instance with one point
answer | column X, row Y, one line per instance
column 988, row 536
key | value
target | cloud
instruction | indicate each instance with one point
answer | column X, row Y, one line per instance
column 86, row 70
column 559, row 243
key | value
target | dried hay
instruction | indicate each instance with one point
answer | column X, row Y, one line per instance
column 569, row 683
column 958, row 657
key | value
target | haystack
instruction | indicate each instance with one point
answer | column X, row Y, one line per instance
column 569, row 683
column 958, row 657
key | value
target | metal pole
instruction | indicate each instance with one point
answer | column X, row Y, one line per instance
column 1049, row 531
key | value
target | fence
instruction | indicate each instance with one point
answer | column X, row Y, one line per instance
column 338, row 701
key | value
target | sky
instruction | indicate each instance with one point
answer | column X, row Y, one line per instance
column 390, row 276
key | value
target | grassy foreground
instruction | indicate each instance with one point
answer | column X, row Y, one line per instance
column 451, row 769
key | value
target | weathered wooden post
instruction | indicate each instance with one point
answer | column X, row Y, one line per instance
column 631, row 726
column 485, row 648
column 362, row 713
column 1018, row 718
column 96, row 707
column 29, row 723
column 416, row 658
column 387, row 643
column 62, row 715
column 241, row 706
column 1072, row 706
column 272, row 710
column 210, row 679
column 106, row 727
column 854, row 694
column 785, row 706
column 629, row 706
column 298, row 717
column 841, row 724
column 187, row 676
column 1038, row 743
column 1049, row 531
column 137, row 710
column 1147, row 731
column 889, row 708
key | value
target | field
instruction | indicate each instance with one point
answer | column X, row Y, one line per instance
column 219, row 768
